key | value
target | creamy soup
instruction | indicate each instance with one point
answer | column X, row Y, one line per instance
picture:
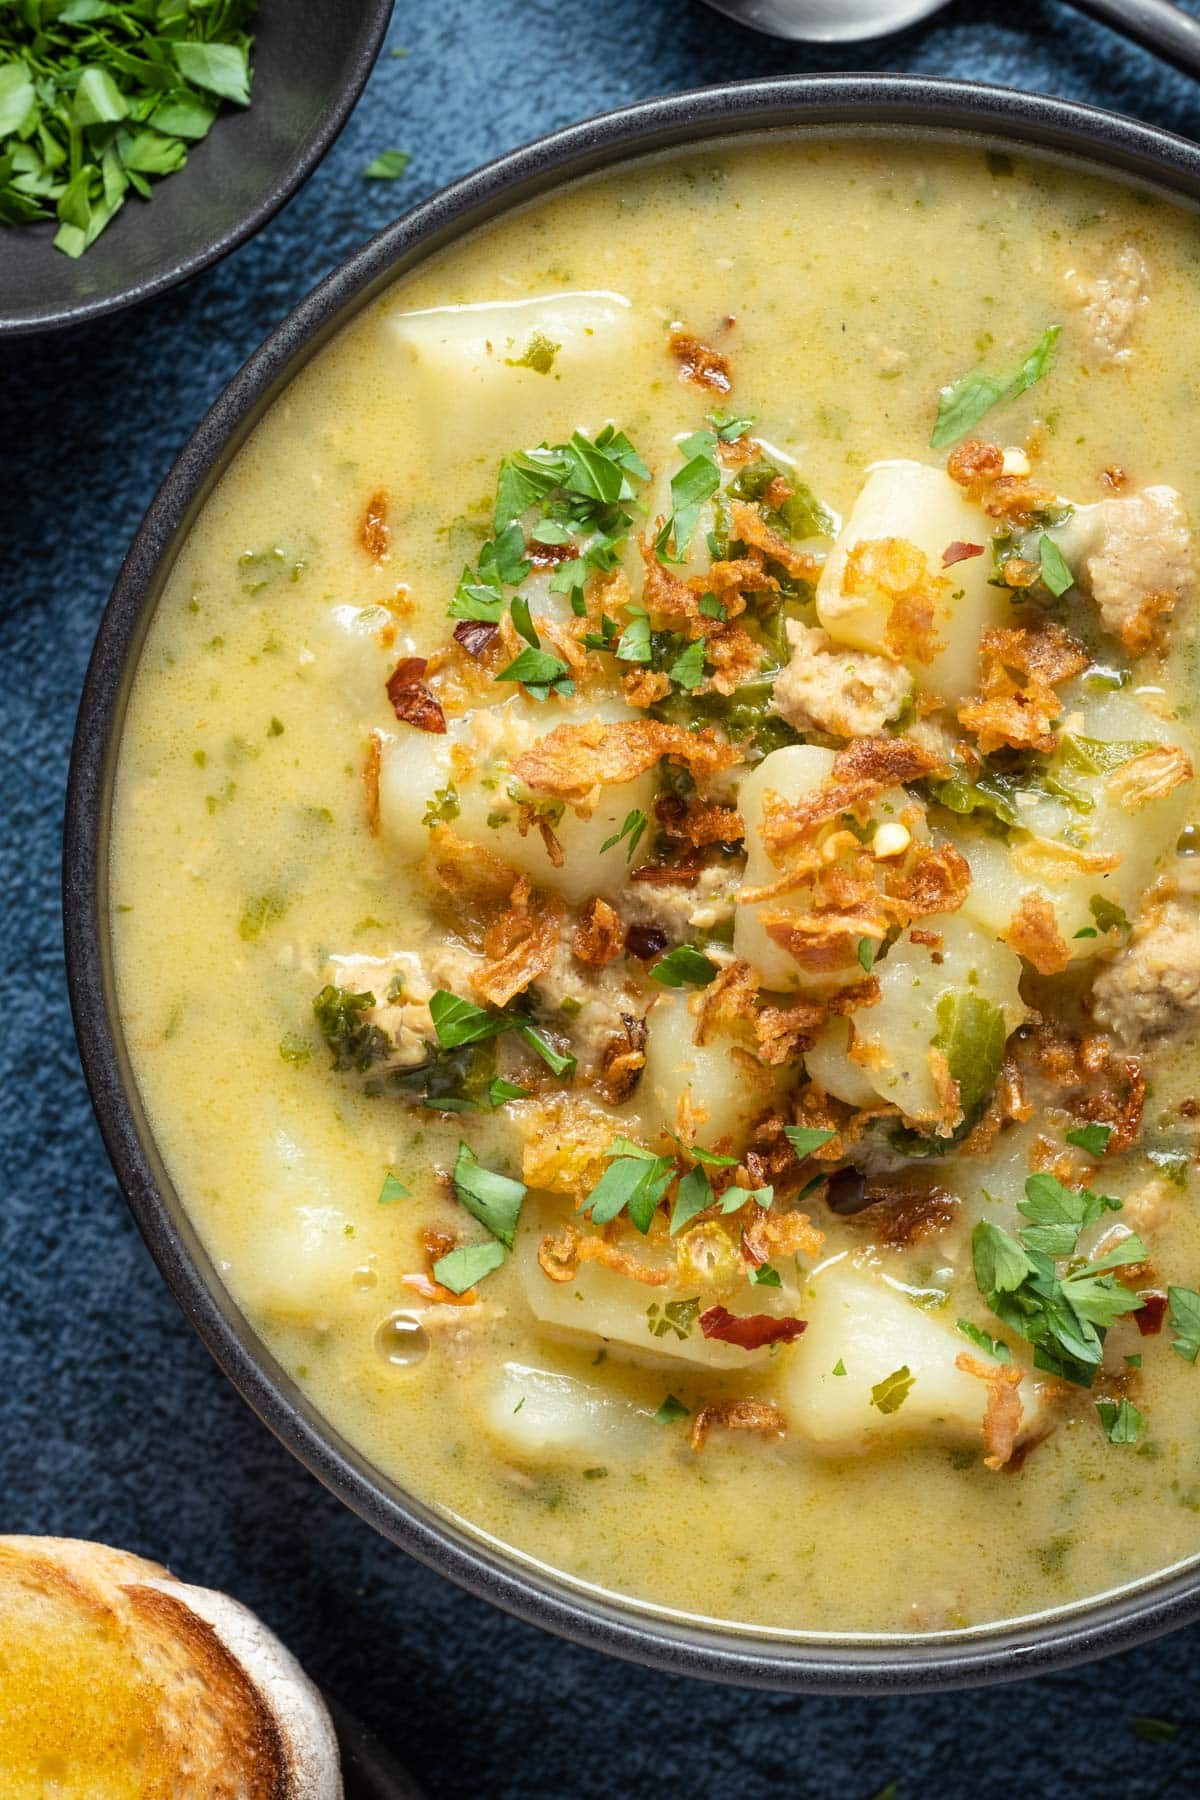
column 653, row 884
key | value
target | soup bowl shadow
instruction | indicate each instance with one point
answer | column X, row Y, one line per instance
column 311, row 62
column 938, row 112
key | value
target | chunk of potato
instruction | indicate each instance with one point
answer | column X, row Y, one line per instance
column 893, row 1039
column 724, row 1092
column 792, row 772
column 415, row 764
column 830, row 1067
column 475, row 387
column 543, row 1415
column 1143, row 836
column 922, row 507
column 859, row 1324
column 301, row 1250
column 600, row 1306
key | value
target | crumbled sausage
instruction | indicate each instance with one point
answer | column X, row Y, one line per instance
column 845, row 692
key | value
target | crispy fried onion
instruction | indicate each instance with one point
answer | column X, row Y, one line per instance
column 520, row 945
column 894, row 573
column 898, row 1214
column 700, row 364
column 736, row 1415
column 599, row 935
column 979, row 468
column 698, row 822
column 750, row 1331
column 574, row 762
column 1099, row 1085
column 729, row 649
column 1002, row 1414
column 412, row 702
column 860, row 773
column 476, row 880
column 779, row 1234
column 1033, row 933
column 622, row 1061
column 374, row 533
column 748, row 524
column 1019, row 669
column 372, row 758
column 1151, row 776
column 776, row 1034
column 560, row 1254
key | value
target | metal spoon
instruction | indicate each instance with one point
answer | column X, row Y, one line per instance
column 1156, row 24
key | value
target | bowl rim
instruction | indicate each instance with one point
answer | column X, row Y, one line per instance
column 332, row 119
column 897, row 105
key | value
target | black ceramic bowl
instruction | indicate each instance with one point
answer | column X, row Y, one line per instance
column 938, row 112
column 311, row 62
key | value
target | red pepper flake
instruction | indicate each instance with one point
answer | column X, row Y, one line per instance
column 749, row 1331
column 1151, row 1313
column 959, row 552
column 411, row 700
column 475, row 635
column 548, row 556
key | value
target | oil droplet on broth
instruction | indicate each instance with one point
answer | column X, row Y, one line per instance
column 401, row 1340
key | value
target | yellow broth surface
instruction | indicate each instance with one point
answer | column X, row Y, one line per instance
column 847, row 284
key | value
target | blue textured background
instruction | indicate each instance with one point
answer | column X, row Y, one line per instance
column 113, row 1422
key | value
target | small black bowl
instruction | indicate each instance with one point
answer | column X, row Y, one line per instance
column 311, row 62
column 936, row 113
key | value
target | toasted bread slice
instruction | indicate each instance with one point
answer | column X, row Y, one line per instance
column 118, row 1682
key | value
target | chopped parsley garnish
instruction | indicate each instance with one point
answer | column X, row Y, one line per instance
column 389, row 165
column 839, row 1367
column 633, row 645
column 691, row 487
column 582, row 491
column 539, row 672
column 495, row 1200
column 993, row 1347
column 634, row 1182
column 678, row 1316
column 1063, row 1315
column 634, row 826
column 729, row 426
column 712, row 608
column 393, row 1189
column 1092, row 1138
column 687, row 670
column 98, row 100
column 766, row 1276
column 693, row 1195
column 1108, row 915
column 964, row 402
column 500, row 1090
column 443, row 807
column 684, row 966
column 1121, row 1420
column 804, row 1139
column 460, row 1022
column 671, row 1411
column 1185, row 1322
column 890, row 1394
column 1056, row 576
column 865, row 954
column 460, row 1269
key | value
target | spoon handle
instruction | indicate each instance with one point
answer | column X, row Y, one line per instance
column 1155, row 24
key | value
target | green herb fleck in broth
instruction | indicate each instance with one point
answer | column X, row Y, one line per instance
column 671, row 1411
column 538, row 355
column 965, row 401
